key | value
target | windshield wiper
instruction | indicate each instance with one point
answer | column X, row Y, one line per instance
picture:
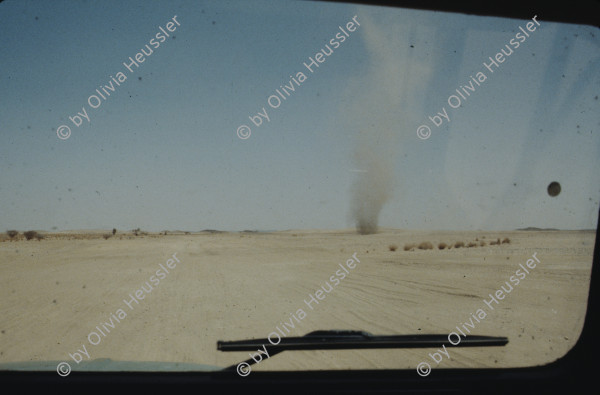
column 348, row 339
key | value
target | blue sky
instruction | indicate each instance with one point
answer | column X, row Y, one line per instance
column 162, row 151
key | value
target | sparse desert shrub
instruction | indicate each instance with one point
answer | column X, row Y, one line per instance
column 408, row 247
column 114, row 231
column 12, row 233
column 106, row 236
column 39, row 236
column 425, row 246
column 471, row 244
column 30, row 234
column 441, row 246
column 393, row 247
column 506, row 240
column 482, row 243
column 493, row 243
column 459, row 244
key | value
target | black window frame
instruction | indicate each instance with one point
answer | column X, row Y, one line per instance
column 569, row 374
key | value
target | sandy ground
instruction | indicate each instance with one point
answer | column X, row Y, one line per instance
column 233, row 286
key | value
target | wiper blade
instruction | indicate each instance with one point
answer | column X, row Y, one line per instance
column 347, row 339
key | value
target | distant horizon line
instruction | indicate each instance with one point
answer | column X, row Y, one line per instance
column 526, row 229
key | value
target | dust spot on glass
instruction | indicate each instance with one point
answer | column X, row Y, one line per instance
column 554, row 189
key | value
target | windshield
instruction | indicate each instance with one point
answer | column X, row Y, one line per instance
column 183, row 173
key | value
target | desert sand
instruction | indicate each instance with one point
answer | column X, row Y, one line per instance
column 233, row 286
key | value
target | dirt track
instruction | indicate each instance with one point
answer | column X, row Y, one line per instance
column 234, row 286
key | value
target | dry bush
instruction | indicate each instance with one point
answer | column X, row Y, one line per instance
column 106, row 236
column 408, row 247
column 471, row 244
column 441, row 246
column 493, row 243
column 425, row 246
column 39, row 236
column 114, row 231
column 30, row 234
column 12, row 233
column 506, row 240
column 459, row 244
column 393, row 247
column 482, row 243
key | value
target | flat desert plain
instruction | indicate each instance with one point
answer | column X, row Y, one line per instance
column 231, row 286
